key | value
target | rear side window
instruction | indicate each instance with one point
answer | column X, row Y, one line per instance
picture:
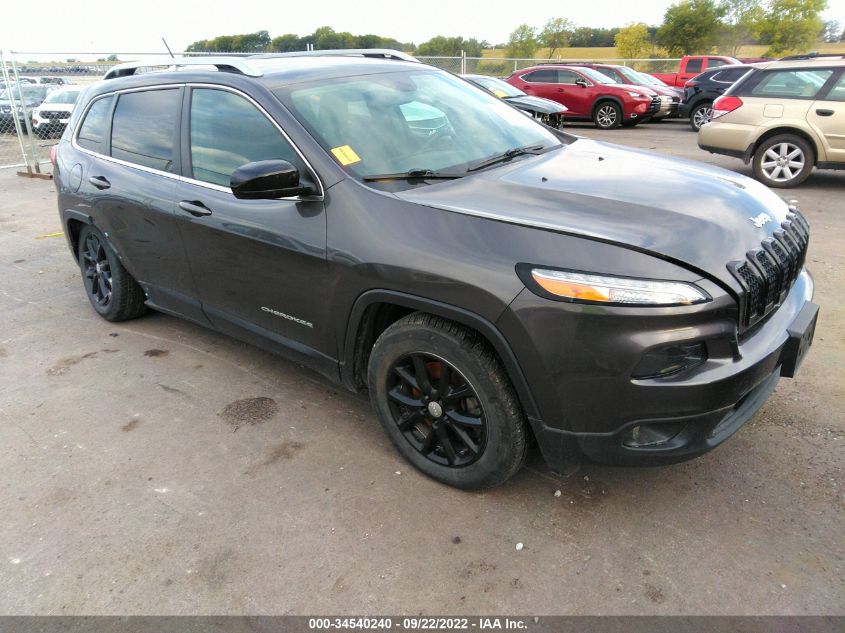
column 144, row 128
column 729, row 76
column 546, row 76
column 694, row 65
column 791, row 84
column 227, row 132
column 93, row 128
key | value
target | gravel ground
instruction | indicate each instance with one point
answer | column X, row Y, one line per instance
column 154, row 467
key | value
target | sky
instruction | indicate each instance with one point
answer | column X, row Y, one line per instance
column 133, row 26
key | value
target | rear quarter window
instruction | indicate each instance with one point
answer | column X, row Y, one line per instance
column 92, row 132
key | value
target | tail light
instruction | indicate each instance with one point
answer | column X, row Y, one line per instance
column 723, row 105
column 53, row 150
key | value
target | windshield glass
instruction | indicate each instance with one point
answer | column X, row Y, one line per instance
column 63, row 96
column 420, row 120
column 501, row 89
column 632, row 76
column 596, row 76
column 651, row 79
column 29, row 93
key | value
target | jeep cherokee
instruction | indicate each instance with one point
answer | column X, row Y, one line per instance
column 488, row 280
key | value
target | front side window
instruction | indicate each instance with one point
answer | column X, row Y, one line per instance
column 837, row 93
column 93, row 128
column 791, row 84
column 227, row 132
column 568, row 77
column 401, row 121
column 144, row 128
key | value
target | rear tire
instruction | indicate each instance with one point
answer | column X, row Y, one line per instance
column 112, row 291
column 783, row 161
column 699, row 115
column 607, row 115
column 446, row 402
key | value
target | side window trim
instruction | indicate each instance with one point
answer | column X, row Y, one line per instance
column 187, row 167
column 178, row 175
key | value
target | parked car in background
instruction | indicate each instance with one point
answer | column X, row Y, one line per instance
column 669, row 97
column 702, row 90
column 784, row 117
column 588, row 94
column 11, row 105
column 544, row 110
column 51, row 117
column 692, row 65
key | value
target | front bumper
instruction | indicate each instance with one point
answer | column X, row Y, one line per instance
column 579, row 359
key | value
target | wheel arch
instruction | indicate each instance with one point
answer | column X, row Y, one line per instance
column 374, row 310
column 605, row 99
column 74, row 222
column 784, row 129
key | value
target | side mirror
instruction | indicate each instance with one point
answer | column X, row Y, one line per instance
column 267, row 180
column 581, row 82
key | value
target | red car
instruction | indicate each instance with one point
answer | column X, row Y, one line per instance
column 692, row 65
column 670, row 98
column 589, row 95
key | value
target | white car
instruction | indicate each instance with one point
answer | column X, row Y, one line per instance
column 51, row 117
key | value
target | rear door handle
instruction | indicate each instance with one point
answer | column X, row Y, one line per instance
column 195, row 208
column 823, row 112
column 100, row 182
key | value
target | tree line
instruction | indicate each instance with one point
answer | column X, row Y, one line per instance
column 688, row 27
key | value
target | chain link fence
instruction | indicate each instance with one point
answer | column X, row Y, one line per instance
column 38, row 91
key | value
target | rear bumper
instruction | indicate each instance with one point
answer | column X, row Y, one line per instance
column 592, row 408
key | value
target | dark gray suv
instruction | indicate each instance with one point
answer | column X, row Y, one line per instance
column 489, row 280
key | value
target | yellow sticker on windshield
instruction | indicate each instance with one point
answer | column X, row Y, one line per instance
column 345, row 155
column 500, row 93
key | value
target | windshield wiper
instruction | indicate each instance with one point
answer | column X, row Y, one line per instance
column 505, row 156
column 425, row 174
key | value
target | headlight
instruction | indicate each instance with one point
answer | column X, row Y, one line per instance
column 636, row 95
column 583, row 287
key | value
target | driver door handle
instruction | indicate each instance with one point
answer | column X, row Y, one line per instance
column 100, row 182
column 823, row 112
column 195, row 208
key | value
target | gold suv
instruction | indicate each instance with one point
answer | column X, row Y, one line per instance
column 785, row 117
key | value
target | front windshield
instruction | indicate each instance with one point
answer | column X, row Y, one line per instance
column 632, row 76
column 501, row 89
column 651, row 80
column 395, row 122
column 596, row 76
column 67, row 97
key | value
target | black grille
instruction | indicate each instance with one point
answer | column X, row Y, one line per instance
column 767, row 273
column 55, row 114
column 654, row 106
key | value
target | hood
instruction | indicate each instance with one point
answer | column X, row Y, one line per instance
column 536, row 104
column 667, row 91
column 684, row 211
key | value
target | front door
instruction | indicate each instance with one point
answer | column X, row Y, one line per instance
column 259, row 265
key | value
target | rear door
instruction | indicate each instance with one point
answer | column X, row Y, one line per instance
column 259, row 265
column 131, row 183
column 827, row 117
column 543, row 83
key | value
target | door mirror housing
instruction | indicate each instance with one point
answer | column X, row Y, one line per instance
column 268, row 180
column 581, row 82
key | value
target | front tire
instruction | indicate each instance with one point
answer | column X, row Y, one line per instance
column 700, row 114
column 783, row 161
column 446, row 402
column 112, row 291
column 607, row 115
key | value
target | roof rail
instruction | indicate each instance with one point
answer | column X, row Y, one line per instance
column 382, row 53
column 813, row 55
column 223, row 64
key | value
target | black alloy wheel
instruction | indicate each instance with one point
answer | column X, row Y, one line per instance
column 96, row 270
column 437, row 410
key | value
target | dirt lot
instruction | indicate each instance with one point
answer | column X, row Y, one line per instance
column 156, row 467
